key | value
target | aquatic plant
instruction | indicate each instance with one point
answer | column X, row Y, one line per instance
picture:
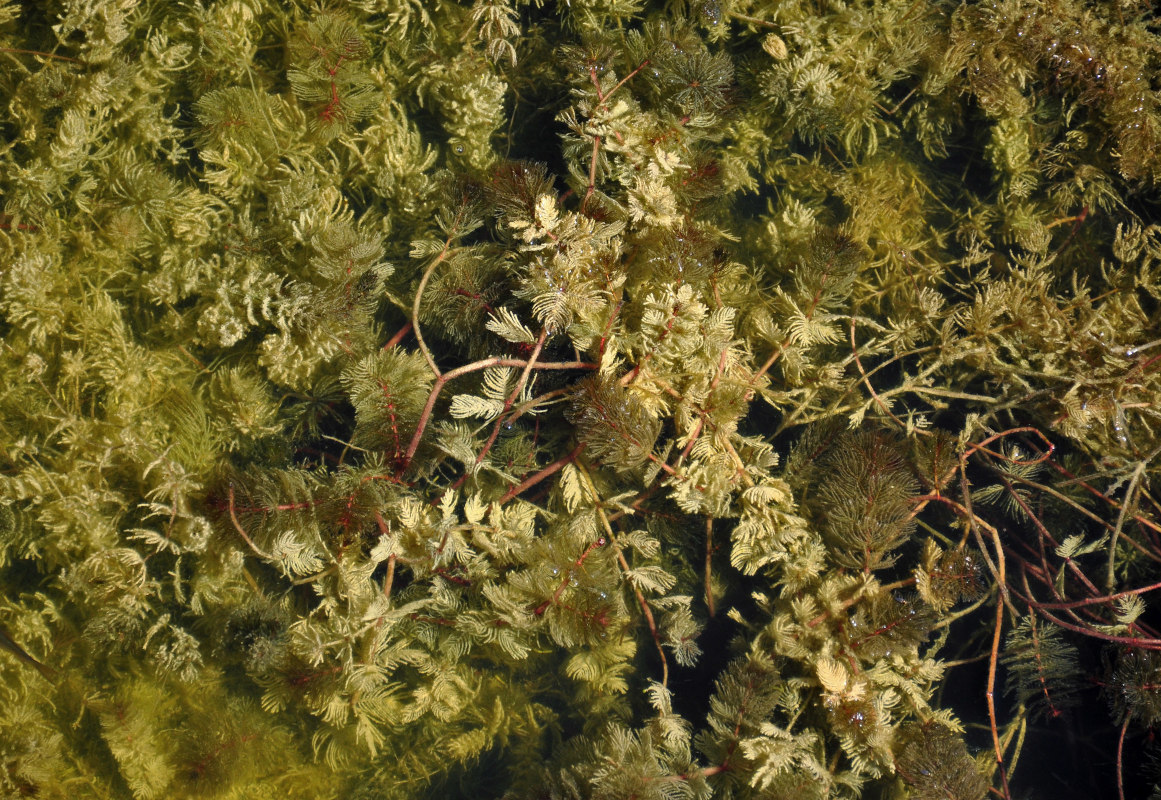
column 600, row 398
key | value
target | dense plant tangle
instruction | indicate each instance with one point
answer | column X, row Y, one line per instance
column 579, row 399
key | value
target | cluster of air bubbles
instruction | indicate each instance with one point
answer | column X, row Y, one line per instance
column 711, row 12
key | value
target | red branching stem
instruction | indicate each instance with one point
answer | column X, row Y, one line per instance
column 709, row 550
column 399, row 335
column 1143, row 367
column 389, row 404
column 623, row 81
column 567, row 576
column 742, row 709
column 592, row 173
column 238, row 527
column 992, row 661
column 1110, row 579
column 443, row 573
column 539, row 400
column 645, row 610
column 1078, row 625
column 1040, row 459
column 475, row 366
column 668, row 470
column 513, row 395
column 1098, row 493
column 638, row 505
column 699, row 426
column 42, row 54
column 999, row 572
column 890, row 587
column 536, row 478
column 1134, row 641
column 1077, row 221
column 1046, row 535
column 333, row 110
column 389, row 579
column 419, row 297
column 6, row 219
column 1149, row 553
column 608, row 329
column 602, row 99
column 974, row 523
column 1044, row 574
column 1121, row 759
column 476, row 296
column 778, row 350
column 427, row 273
column 1094, row 592
column 879, row 631
column 1106, row 598
column 625, row 569
column 863, row 373
column 882, row 365
column 593, row 545
column 1040, row 668
column 447, row 623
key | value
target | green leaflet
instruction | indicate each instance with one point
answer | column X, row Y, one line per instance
column 578, row 398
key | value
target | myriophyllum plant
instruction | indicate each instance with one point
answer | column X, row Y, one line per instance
column 579, row 399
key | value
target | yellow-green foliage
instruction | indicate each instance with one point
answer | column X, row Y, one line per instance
column 573, row 398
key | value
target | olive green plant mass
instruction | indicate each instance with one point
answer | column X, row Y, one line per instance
column 520, row 399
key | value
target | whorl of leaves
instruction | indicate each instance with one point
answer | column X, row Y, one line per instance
column 886, row 624
column 1043, row 671
column 826, row 272
column 1134, row 686
column 697, row 82
column 934, row 762
column 613, row 424
column 866, row 500
column 514, row 188
column 958, row 575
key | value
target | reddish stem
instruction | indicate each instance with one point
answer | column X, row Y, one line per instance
column 1121, row 760
column 532, row 480
column 475, row 366
column 398, row 337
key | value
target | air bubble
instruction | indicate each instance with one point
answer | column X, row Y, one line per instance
column 1119, row 426
column 712, row 12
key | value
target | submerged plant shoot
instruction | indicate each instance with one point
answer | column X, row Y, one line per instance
column 568, row 399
